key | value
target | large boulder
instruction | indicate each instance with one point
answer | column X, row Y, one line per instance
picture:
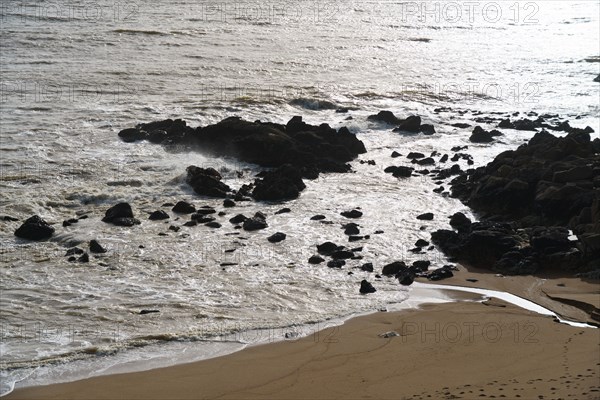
column 34, row 228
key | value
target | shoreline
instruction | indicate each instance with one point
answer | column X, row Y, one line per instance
column 452, row 314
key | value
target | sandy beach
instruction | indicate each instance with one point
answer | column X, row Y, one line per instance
column 463, row 349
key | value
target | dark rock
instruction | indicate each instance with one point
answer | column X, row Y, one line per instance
column 144, row 312
column 399, row 172
column 283, row 211
column 96, row 247
column 206, row 182
column 425, row 161
column 342, row 254
column 201, row 218
column 415, row 155
column 74, row 251
column 191, row 223
column 481, row 136
column 327, row 248
column 66, row 224
column 351, row 229
column 597, row 79
column 183, row 207
column 461, row 125
column 353, row 214
column 127, row 222
column 118, row 211
column 368, row 267
column 276, row 237
column 283, row 183
column 336, row 263
column 34, row 228
column 318, row 217
column 174, row 228
column 315, row 260
column 420, row 265
column 444, row 158
column 228, row 203
column 422, row 243
column 411, row 124
column 132, row 135
column 238, row 219
column 84, row 258
column 387, row 117
column 425, row 217
column 205, row 211
column 158, row 215
column 258, row 221
column 366, row 287
column 427, row 129
column 440, row 273
column 460, row 222
column 406, row 278
column 395, row 154
column 393, row 268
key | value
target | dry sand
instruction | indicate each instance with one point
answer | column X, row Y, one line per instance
column 465, row 350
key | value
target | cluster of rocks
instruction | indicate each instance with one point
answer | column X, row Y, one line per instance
column 531, row 199
column 297, row 150
column 412, row 124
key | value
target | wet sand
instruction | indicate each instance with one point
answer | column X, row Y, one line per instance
column 453, row 350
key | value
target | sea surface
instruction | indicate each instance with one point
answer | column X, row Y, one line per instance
column 73, row 74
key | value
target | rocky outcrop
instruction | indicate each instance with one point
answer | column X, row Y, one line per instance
column 550, row 181
column 308, row 147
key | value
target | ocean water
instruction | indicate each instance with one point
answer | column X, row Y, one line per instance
column 75, row 73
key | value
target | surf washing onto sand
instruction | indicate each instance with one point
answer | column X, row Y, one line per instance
column 168, row 291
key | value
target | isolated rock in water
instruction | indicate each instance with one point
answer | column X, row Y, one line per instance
column 258, row 221
column 387, row 117
column 228, row 203
column 318, row 217
column 410, row 124
column 206, row 182
column 336, row 263
column 238, row 219
column 315, row 260
column 353, row 214
column 342, row 254
column 276, row 237
column 283, row 183
column 121, row 215
column 415, row 155
column 368, row 267
column 481, row 136
column 425, row 217
column 597, row 79
column 327, row 248
column 351, row 229
column 427, row 129
column 366, row 287
column 399, row 172
column 283, row 211
column 34, row 228
column 183, row 207
column 96, row 247
column 158, row 215
column 121, row 210
column 393, row 268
